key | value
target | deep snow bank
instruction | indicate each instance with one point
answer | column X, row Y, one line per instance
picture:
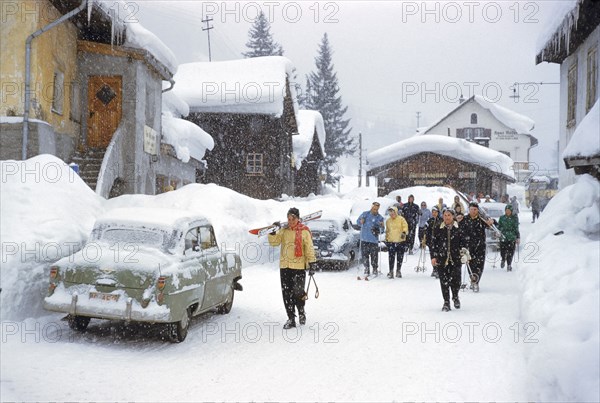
column 560, row 281
column 47, row 212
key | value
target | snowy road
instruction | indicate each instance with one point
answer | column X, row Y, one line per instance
column 381, row 340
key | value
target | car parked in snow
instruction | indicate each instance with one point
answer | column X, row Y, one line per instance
column 146, row 265
column 495, row 211
column 335, row 241
column 360, row 206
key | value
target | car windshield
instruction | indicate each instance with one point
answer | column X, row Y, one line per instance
column 130, row 235
column 149, row 237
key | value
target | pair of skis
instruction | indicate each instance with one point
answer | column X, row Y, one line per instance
column 272, row 228
column 482, row 213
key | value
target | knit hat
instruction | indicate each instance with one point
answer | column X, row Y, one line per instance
column 474, row 204
column 294, row 211
column 509, row 207
column 434, row 208
column 394, row 209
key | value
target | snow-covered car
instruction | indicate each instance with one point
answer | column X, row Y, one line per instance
column 146, row 265
column 335, row 241
column 361, row 206
column 495, row 211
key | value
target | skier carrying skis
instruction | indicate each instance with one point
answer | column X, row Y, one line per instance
column 410, row 211
column 446, row 253
column 508, row 224
column 396, row 229
column 371, row 225
column 473, row 228
column 297, row 254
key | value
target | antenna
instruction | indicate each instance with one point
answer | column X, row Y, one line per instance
column 208, row 28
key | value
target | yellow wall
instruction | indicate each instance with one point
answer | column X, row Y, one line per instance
column 54, row 50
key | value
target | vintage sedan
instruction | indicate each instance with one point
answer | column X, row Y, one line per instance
column 146, row 265
column 335, row 241
column 495, row 211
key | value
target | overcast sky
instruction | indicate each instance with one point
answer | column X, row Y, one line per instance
column 393, row 59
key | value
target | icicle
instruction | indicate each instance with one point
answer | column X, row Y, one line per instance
column 90, row 5
column 112, row 27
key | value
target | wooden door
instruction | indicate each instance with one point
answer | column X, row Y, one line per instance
column 105, row 101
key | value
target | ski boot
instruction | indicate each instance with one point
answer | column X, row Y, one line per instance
column 390, row 275
column 456, row 302
column 446, row 307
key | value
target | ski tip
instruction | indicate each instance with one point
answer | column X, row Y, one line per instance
column 253, row 231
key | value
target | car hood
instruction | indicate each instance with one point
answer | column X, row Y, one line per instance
column 121, row 268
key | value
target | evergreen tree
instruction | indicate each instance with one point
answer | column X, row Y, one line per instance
column 261, row 41
column 322, row 95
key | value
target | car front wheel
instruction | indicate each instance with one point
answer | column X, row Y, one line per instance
column 79, row 323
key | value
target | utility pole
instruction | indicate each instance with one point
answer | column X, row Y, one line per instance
column 359, row 159
column 418, row 119
column 208, row 28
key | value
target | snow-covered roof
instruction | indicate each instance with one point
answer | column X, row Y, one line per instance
column 255, row 86
column 174, row 104
column 308, row 122
column 585, row 142
column 136, row 36
column 444, row 145
column 520, row 123
column 187, row 138
column 160, row 217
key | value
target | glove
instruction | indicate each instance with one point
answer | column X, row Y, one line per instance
column 311, row 268
column 277, row 224
column 465, row 256
column 403, row 237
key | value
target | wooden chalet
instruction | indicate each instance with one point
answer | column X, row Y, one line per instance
column 249, row 108
column 440, row 161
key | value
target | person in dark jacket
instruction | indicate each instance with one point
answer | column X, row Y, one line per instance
column 535, row 208
column 435, row 220
column 473, row 228
column 410, row 211
column 508, row 224
column 448, row 240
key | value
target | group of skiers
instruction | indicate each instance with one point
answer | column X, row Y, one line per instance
column 452, row 237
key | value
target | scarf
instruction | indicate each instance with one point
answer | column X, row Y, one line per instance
column 298, row 241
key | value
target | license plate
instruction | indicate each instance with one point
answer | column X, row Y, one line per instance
column 104, row 297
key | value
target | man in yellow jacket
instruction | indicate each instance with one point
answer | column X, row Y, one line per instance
column 396, row 229
column 297, row 254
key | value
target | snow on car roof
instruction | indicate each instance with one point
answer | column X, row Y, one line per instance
column 494, row 209
column 160, row 217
